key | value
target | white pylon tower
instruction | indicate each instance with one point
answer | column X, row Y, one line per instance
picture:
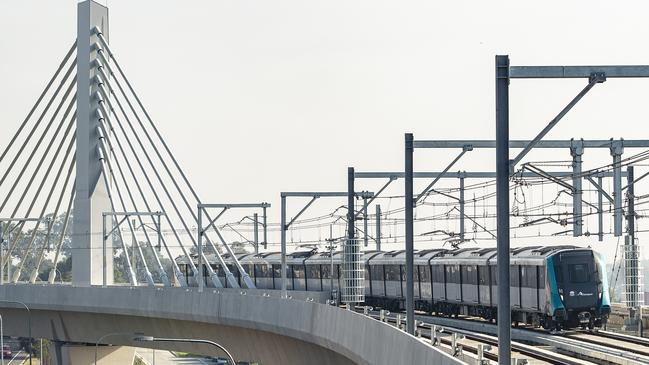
column 91, row 191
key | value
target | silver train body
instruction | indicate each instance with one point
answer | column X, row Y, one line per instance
column 552, row 287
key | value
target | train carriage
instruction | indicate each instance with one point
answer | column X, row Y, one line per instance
column 552, row 287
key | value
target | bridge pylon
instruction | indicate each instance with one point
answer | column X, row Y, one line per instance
column 91, row 198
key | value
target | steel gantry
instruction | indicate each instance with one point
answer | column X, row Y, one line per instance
column 504, row 72
column 202, row 260
column 115, row 228
column 314, row 195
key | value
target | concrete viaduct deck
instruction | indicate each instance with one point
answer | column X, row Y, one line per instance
column 256, row 326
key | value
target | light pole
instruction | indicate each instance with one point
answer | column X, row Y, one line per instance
column 187, row 340
column 108, row 335
column 29, row 324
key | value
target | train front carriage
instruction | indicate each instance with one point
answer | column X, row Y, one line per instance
column 578, row 288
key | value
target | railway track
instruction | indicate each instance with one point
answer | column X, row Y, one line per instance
column 425, row 330
column 571, row 347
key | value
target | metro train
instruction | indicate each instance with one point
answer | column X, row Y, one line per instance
column 554, row 287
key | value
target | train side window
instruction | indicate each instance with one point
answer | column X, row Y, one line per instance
column 277, row 271
column 424, row 273
column 326, row 271
column 438, row 273
column 453, row 274
column 494, row 274
column 392, row 273
column 514, row 275
column 415, row 274
column 376, row 272
column 259, row 273
column 541, row 276
column 313, row 271
column 528, row 276
column 336, row 271
column 578, row 273
column 298, row 271
column 483, row 275
column 469, row 275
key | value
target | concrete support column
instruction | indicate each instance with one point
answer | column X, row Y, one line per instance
column 91, row 198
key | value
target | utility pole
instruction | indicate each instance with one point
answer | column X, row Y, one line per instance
column 377, row 237
column 410, row 256
column 255, row 217
column 133, row 255
column 331, row 247
column 502, row 208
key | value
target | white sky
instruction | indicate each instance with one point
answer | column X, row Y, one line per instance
column 258, row 97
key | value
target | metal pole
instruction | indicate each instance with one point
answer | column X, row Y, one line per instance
column 2, row 251
column 201, row 282
column 103, row 250
column 256, row 233
column 265, row 230
column 577, row 151
column 351, row 230
column 461, row 209
column 600, row 211
column 365, row 235
column 345, row 265
column 283, row 244
column 159, row 233
column 616, row 151
column 502, row 208
column 377, row 238
column 631, row 250
column 331, row 258
column 133, row 247
column 410, row 305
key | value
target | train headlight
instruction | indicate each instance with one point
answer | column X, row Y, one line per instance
column 561, row 296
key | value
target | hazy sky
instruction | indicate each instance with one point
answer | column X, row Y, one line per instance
column 258, row 97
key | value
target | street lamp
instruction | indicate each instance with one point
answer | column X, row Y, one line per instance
column 187, row 340
column 108, row 335
column 29, row 324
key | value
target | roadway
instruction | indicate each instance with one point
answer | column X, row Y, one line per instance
column 163, row 357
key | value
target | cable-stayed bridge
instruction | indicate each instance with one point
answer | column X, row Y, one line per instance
column 89, row 168
column 88, row 171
